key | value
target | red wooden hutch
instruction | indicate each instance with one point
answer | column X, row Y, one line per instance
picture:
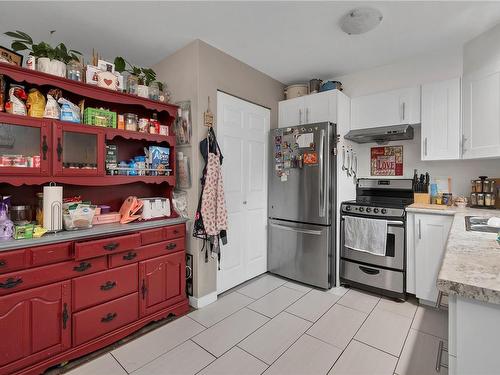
column 67, row 295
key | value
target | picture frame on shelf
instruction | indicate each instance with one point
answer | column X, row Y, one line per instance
column 11, row 57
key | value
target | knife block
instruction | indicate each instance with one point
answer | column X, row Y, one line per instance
column 424, row 198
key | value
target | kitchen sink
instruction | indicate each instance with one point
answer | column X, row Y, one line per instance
column 479, row 224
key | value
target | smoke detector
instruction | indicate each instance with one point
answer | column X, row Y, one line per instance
column 360, row 20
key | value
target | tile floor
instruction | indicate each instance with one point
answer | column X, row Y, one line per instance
column 272, row 326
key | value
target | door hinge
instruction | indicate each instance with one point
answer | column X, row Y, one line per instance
column 65, row 315
column 144, row 290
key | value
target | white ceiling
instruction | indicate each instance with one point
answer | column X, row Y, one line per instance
column 290, row 41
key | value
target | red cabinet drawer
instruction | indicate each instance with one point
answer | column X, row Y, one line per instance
column 90, row 249
column 175, row 231
column 152, row 235
column 96, row 321
column 50, row 254
column 104, row 286
column 21, row 280
column 12, row 260
column 146, row 252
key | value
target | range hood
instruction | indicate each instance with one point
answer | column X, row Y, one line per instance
column 381, row 134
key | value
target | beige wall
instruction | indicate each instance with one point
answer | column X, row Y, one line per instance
column 194, row 73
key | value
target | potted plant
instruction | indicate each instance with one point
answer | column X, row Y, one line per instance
column 139, row 78
column 50, row 59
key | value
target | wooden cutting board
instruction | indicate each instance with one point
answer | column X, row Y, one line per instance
column 429, row 206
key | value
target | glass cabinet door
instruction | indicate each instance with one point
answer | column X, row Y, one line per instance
column 77, row 150
column 24, row 146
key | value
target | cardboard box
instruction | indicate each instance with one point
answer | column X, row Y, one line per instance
column 159, row 159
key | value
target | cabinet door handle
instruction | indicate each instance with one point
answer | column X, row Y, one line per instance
column 171, row 246
column 45, row 147
column 111, row 246
column 3, row 263
column 300, row 116
column 307, row 115
column 65, row 316
column 441, row 348
column 464, row 139
column 59, row 149
column 144, row 290
column 109, row 317
column 419, row 229
column 82, row 267
column 439, row 301
column 129, row 256
column 403, row 105
column 108, row 286
column 11, row 283
column 369, row 271
column 425, row 146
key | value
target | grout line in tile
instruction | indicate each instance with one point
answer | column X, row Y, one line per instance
column 208, row 364
column 124, row 369
column 374, row 347
column 268, row 320
column 406, row 338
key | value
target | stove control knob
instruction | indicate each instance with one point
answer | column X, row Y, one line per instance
column 375, row 210
column 368, row 209
column 361, row 209
column 348, row 208
column 384, row 211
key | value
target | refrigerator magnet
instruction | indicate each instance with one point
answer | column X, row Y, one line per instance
column 287, row 164
column 277, row 148
column 277, row 139
column 284, row 178
column 310, row 158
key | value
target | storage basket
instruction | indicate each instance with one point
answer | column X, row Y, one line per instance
column 99, row 117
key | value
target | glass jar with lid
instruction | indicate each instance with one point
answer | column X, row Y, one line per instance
column 130, row 121
column 480, row 199
column 479, row 186
column 487, row 186
column 132, row 83
column 473, row 199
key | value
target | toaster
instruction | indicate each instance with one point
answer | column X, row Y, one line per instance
column 155, row 207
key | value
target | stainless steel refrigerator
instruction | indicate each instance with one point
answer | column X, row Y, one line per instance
column 301, row 231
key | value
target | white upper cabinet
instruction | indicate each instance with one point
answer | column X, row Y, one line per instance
column 481, row 115
column 308, row 109
column 441, row 132
column 388, row 108
column 291, row 112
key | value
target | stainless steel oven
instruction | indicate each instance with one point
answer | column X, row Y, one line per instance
column 395, row 251
column 378, row 199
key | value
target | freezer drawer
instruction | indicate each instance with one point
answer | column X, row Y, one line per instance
column 300, row 252
column 372, row 276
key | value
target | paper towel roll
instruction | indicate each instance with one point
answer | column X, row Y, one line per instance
column 52, row 207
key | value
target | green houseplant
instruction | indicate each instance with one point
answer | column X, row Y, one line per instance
column 139, row 78
column 50, row 59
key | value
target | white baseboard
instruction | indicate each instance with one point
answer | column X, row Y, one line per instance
column 198, row 303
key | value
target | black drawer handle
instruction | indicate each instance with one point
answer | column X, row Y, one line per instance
column 129, row 256
column 109, row 285
column 45, row 147
column 84, row 266
column 3, row 263
column 11, row 283
column 108, row 318
column 369, row 271
column 176, row 231
column 111, row 246
column 171, row 246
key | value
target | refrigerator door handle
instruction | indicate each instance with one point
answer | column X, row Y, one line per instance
column 322, row 189
column 293, row 229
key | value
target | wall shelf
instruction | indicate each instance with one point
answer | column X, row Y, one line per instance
column 98, row 93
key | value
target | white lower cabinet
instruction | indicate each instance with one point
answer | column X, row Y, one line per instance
column 430, row 235
column 474, row 337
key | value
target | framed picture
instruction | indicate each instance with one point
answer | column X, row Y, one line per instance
column 12, row 57
column 106, row 66
column 387, row 161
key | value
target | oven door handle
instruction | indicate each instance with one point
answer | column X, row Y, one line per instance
column 292, row 229
column 389, row 222
column 369, row 271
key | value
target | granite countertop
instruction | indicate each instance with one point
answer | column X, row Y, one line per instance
column 95, row 231
column 471, row 263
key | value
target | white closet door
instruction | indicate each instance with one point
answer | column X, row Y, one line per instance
column 243, row 132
